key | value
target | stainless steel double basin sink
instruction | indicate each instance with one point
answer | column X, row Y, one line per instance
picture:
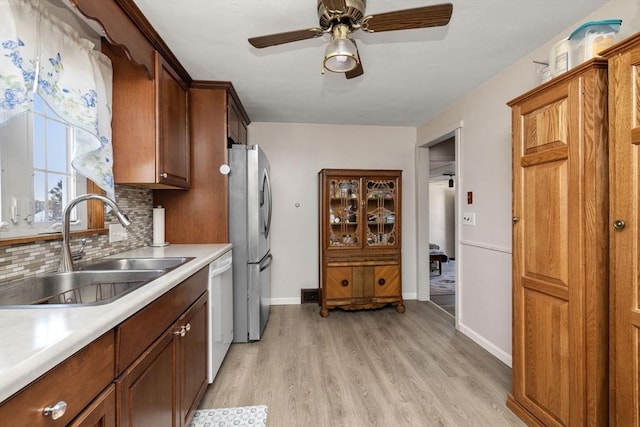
column 100, row 282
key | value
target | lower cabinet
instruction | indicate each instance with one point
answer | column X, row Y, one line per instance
column 192, row 358
column 100, row 413
column 353, row 287
column 158, row 358
column 146, row 390
column 164, row 385
column 74, row 385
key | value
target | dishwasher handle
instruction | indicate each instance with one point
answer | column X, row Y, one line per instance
column 221, row 268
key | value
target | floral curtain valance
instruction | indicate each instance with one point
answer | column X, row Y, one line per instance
column 39, row 53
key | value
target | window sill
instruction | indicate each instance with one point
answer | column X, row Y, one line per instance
column 53, row 236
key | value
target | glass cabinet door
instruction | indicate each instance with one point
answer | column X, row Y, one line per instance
column 344, row 212
column 381, row 195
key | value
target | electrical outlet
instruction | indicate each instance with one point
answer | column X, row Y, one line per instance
column 469, row 218
column 117, row 233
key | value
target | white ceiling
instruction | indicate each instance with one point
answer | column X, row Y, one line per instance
column 410, row 75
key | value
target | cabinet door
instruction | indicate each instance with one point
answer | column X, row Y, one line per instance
column 192, row 358
column 146, row 391
column 559, row 244
column 100, row 413
column 381, row 194
column 624, row 132
column 343, row 215
column 173, row 138
column 339, row 283
column 386, row 281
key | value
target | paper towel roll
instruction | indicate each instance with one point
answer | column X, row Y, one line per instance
column 158, row 226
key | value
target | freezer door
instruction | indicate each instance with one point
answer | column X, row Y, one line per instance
column 259, row 296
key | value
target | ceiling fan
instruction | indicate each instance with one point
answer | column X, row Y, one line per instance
column 342, row 17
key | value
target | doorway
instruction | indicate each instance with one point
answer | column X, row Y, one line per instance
column 434, row 164
column 442, row 253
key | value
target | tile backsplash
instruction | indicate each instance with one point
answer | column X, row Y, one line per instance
column 23, row 260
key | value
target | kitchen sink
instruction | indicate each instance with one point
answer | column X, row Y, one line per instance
column 91, row 287
column 136, row 264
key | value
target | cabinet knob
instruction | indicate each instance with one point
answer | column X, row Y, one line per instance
column 164, row 175
column 618, row 224
column 187, row 327
column 182, row 332
column 56, row 411
column 515, row 219
column 381, row 282
column 345, row 283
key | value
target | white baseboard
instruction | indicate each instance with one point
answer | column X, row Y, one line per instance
column 296, row 301
column 285, row 301
column 487, row 345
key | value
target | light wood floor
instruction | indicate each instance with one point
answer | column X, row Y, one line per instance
column 365, row 368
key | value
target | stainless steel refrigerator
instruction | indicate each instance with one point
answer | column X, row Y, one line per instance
column 249, row 232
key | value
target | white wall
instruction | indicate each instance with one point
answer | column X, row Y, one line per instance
column 485, row 166
column 297, row 152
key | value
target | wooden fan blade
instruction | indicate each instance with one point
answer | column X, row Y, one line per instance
column 337, row 5
column 281, row 38
column 358, row 71
column 420, row 17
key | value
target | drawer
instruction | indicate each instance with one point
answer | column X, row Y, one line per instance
column 76, row 381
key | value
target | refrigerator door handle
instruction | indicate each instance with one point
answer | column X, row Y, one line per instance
column 266, row 263
column 266, row 189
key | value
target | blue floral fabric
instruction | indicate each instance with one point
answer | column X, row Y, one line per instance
column 39, row 53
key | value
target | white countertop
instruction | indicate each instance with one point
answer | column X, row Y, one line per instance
column 34, row 340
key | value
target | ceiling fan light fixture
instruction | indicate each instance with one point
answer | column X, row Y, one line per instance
column 341, row 54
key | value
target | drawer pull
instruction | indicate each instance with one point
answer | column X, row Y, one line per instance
column 164, row 175
column 183, row 330
column 56, row 411
column 381, row 282
column 345, row 283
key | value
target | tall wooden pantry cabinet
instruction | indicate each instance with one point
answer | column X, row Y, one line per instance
column 624, row 215
column 360, row 232
column 560, row 250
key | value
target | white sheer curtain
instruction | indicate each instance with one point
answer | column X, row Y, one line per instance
column 39, row 53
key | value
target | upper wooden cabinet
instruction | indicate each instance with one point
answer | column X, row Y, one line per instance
column 200, row 214
column 560, row 250
column 236, row 124
column 149, row 125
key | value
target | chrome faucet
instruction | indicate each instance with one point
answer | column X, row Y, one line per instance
column 66, row 261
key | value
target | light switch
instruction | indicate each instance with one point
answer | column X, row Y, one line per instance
column 469, row 218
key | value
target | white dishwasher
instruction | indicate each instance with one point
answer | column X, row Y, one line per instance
column 220, row 312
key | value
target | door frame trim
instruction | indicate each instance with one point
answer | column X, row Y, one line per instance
column 422, row 210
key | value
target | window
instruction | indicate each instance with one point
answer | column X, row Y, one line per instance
column 35, row 196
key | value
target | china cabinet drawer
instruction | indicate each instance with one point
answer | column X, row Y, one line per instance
column 76, row 381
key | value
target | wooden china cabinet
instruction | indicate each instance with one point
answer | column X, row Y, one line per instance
column 360, row 232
